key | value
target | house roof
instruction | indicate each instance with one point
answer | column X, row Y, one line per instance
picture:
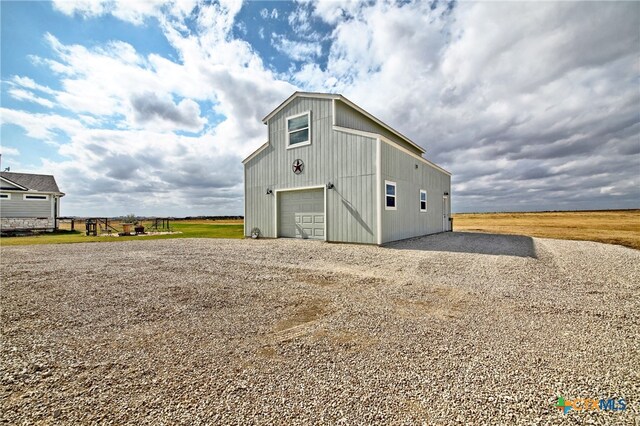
column 32, row 182
column 347, row 102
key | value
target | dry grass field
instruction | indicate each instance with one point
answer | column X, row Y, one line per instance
column 612, row 227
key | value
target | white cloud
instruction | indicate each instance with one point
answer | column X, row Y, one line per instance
column 9, row 151
column 335, row 11
column 28, row 83
column 25, row 95
column 132, row 11
column 40, row 126
column 299, row 20
column 296, row 50
column 266, row 14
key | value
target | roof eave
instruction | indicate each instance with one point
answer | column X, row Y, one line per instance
column 381, row 123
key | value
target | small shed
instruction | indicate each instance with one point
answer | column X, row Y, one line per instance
column 28, row 202
column 332, row 171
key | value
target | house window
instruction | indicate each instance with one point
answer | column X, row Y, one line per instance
column 32, row 197
column 423, row 200
column 390, row 195
column 299, row 130
column 5, row 196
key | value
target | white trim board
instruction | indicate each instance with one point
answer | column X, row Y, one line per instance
column 256, row 152
column 379, row 190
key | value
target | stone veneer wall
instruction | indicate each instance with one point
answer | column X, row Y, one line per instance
column 12, row 223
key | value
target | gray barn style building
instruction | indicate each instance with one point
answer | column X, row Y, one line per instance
column 332, row 171
column 28, row 202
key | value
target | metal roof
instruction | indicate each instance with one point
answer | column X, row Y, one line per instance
column 33, row 182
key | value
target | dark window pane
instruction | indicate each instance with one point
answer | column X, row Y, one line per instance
column 299, row 137
column 298, row 122
column 391, row 201
column 36, row 197
column 423, row 205
column 391, row 189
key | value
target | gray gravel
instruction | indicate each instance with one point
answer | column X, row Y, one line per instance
column 456, row 328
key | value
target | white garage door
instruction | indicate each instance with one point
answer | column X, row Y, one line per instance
column 301, row 214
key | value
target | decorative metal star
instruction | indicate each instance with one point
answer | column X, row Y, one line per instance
column 298, row 166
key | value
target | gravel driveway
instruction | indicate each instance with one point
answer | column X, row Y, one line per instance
column 456, row 328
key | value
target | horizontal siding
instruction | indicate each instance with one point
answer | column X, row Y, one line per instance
column 408, row 221
column 17, row 207
column 352, row 119
column 347, row 161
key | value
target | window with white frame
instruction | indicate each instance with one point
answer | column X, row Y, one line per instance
column 5, row 196
column 423, row 200
column 390, row 195
column 299, row 130
column 35, row 197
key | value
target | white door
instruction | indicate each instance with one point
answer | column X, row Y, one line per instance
column 445, row 214
column 301, row 214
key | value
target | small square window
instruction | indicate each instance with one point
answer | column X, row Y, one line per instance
column 390, row 195
column 423, row 200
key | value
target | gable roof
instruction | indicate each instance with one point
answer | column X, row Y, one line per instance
column 31, row 182
column 336, row 96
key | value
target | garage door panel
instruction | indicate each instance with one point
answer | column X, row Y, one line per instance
column 301, row 214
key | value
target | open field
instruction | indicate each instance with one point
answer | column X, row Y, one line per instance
column 455, row 328
column 612, row 227
column 186, row 229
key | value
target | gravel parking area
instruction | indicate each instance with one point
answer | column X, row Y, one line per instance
column 456, row 328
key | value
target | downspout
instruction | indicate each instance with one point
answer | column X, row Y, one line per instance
column 379, row 188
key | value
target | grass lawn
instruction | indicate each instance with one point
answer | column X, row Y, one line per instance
column 613, row 227
column 196, row 229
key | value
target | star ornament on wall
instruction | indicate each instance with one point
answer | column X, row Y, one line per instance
column 298, row 166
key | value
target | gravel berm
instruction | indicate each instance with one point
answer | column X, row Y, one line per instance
column 456, row 328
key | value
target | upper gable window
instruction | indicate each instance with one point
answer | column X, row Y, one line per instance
column 299, row 130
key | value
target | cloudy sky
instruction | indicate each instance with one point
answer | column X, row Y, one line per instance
column 148, row 107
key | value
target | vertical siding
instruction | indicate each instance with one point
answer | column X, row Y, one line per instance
column 408, row 221
column 352, row 119
column 347, row 161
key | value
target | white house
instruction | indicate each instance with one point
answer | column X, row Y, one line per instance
column 28, row 202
